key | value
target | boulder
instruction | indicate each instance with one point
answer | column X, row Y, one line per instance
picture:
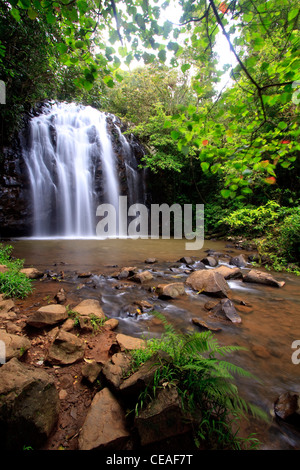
column 129, row 342
column 170, row 291
column 229, row 273
column 186, row 260
column 60, row 296
column 6, row 309
column 91, row 370
column 287, row 405
column 142, row 277
column 112, row 323
column 65, row 349
column 208, row 282
column 15, row 346
column 48, row 315
column 226, row 308
column 114, row 370
column 89, row 307
column 144, row 376
column 32, row 273
column 261, row 277
column 29, row 406
column 210, row 261
column 162, row 419
column 105, row 426
column 203, row 324
column 151, row 260
column 238, row 261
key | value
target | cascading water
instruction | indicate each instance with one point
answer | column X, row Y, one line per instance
column 68, row 146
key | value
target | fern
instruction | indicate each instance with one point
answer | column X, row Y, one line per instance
column 204, row 382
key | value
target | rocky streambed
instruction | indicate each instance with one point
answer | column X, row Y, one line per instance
column 66, row 381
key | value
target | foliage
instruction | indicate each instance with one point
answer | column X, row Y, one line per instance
column 13, row 283
column 205, row 382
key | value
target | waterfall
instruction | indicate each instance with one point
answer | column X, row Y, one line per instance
column 69, row 149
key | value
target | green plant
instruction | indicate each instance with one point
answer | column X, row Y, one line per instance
column 204, row 382
column 13, row 283
column 96, row 322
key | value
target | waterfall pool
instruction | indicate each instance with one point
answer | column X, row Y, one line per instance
column 270, row 316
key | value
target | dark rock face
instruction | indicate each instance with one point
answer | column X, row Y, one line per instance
column 16, row 209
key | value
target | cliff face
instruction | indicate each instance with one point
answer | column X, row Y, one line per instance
column 16, row 207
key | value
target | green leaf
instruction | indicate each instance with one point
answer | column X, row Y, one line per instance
column 50, row 18
column 61, row 47
column 79, row 44
column 25, row 4
column 162, row 55
column 185, row 67
column 282, row 125
column 15, row 14
column 175, row 135
column 204, row 166
column 32, row 14
column 292, row 14
column 226, row 193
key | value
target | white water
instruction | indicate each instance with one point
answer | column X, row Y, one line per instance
column 67, row 145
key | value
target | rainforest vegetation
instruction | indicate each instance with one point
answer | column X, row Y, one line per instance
column 232, row 145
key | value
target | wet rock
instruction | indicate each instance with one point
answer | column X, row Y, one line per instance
column 48, row 315
column 29, row 405
column 208, row 282
column 203, row 324
column 186, row 260
column 210, row 261
column 125, row 272
column 287, row 405
column 229, row 273
column 142, row 277
column 170, row 291
column 105, row 425
column 151, row 260
column 89, row 307
column 66, row 349
column 129, row 342
column 84, row 275
column 225, row 308
column 60, row 296
column 163, row 418
column 32, row 273
column 261, row 277
column 238, row 261
column 15, row 346
column 144, row 305
column 260, row 351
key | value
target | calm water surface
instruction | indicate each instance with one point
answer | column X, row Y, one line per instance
column 270, row 321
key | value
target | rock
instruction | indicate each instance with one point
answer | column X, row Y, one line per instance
column 162, row 419
column 129, row 342
column 142, row 277
column 144, row 376
column 203, row 324
column 6, row 309
column 186, row 260
column 151, row 260
column 105, row 426
column 114, row 370
column 83, row 275
column 29, row 406
column 210, row 304
column 229, row 273
column 68, row 325
column 286, row 405
column 32, row 273
column 60, row 297
column 225, row 308
column 210, row 261
column 125, row 272
column 15, row 346
column 208, row 282
column 261, row 277
column 112, row 323
column 3, row 268
column 238, row 261
column 91, row 370
column 89, row 307
column 66, row 349
column 170, row 291
column 144, row 305
column 260, row 351
column 48, row 315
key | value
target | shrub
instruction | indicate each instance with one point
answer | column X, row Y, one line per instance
column 13, row 283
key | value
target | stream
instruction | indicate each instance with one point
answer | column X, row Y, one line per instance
column 270, row 315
